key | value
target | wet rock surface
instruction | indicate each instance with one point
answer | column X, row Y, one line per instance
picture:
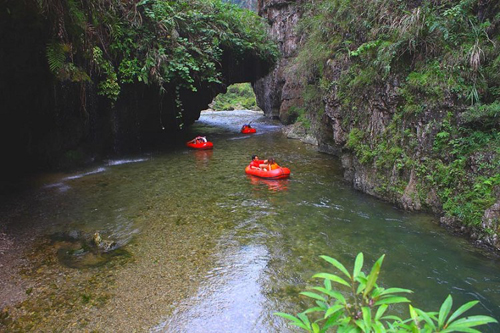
column 278, row 91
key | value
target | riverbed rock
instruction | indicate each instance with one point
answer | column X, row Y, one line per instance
column 103, row 244
column 297, row 131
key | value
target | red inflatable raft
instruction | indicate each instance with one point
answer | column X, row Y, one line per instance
column 279, row 173
column 248, row 130
column 200, row 145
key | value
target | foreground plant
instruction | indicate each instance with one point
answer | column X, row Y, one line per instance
column 364, row 309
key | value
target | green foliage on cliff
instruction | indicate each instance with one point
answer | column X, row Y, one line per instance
column 179, row 43
column 431, row 65
column 247, row 4
column 239, row 96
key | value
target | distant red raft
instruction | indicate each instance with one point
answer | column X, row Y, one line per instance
column 248, row 130
column 280, row 173
column 200, row 145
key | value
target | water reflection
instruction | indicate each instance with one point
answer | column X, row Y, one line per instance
column 272, row 184
column 203, row 157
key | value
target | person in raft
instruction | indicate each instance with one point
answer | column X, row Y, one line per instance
column 198, row 139
column 270, row 165
column 255, row 164
column 246, row 126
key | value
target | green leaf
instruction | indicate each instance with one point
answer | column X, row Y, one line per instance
column 392, row 300
column 414, row 315
column 323, row 290
column 331, row 293
column 372, row 278
column 333, row 310
column 467, row 330
column 337, row 264
column 461, row 310
column 367, row 317
column 426, row 317
column 395, row 291
column 471, row 322
column 332, row 321
column 55, row 56
column 361, row 325
column 380, row 312
column 313, row 295
column 332, row 277
column 378, row 327
column 315, row 309
column 358, row 264
column 328, row 284
column 395, row 318
column 295, row 321
column 323, row 305
column 304, row 319
column 444, row 310
column 362, row 283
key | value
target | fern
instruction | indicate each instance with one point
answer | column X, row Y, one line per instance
column 55, row 56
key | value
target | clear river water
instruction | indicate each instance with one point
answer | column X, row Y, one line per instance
column 202, row 247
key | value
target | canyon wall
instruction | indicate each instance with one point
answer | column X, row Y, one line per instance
column 426, row 152
column 280, row 90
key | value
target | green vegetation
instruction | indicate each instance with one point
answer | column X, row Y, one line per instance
column 248, row 4
column 239, row 96
column 360, row 305
column 174, row 45
column 433, row 68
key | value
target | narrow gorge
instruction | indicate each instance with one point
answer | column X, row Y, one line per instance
column 406, row 95
column 381, row 117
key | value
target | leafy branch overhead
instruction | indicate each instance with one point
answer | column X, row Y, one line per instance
column 151, row 41
column 364, row 306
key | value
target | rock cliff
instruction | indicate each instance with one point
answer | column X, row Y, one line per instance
column 280, row 90
column 405, row 136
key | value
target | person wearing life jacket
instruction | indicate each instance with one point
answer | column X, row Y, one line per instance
column 270, row 165
column 198, row 139
column 255, row 164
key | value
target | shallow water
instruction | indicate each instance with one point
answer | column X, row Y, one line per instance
column 242, row 247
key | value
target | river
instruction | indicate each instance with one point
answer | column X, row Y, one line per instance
column 199, row 246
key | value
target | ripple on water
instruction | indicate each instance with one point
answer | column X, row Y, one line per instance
column 93, row 172
column 231, row 299
column 195, row 219
column 127, row 161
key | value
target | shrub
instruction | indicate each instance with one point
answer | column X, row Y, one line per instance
column 238, row 96
column 364, row 307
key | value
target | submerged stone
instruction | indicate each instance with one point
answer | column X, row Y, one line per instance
column 85, row 251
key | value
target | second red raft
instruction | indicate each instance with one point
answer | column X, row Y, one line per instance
column 279, row 173
column 248, row 130
column 202, row 145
